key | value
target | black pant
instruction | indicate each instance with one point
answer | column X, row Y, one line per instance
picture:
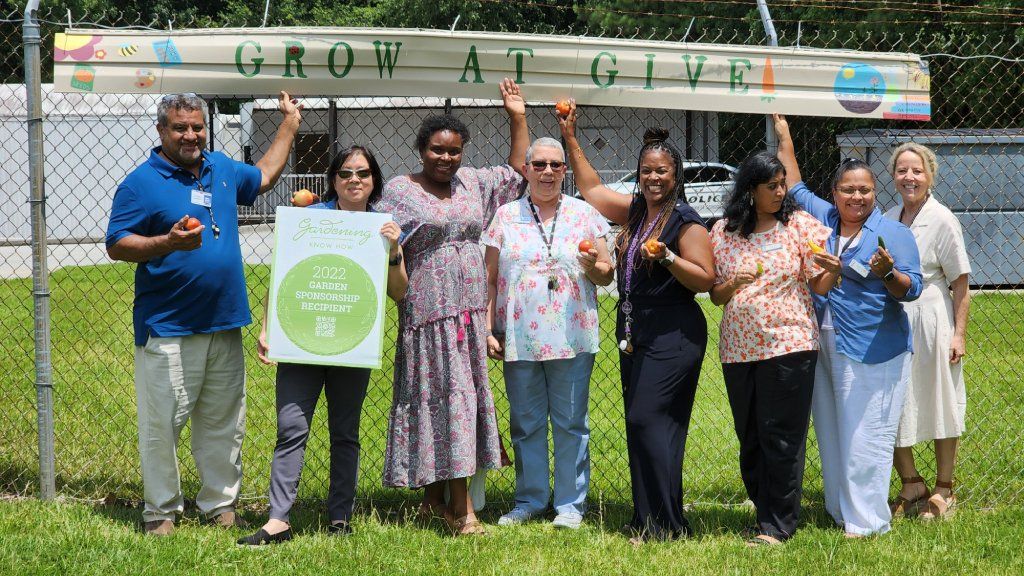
column 298, row 389
column 771, row 408
column 659, row 383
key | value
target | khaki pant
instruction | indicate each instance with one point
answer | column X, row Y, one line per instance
column 201, row 377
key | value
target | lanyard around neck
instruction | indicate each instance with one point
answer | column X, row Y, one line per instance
column 840, row 251
column 548, row 240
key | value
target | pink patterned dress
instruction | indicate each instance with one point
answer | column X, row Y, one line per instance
column 442, row 424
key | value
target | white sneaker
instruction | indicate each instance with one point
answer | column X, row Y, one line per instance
column 516, row 515
column 570, row 520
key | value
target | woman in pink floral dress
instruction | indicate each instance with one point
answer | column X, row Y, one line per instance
column 443, row 426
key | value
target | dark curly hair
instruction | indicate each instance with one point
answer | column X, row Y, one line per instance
column 340, row 158
column 655, row 140
column 739, row 211
column 439, row 123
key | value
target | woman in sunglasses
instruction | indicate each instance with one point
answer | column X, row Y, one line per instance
column 545, row 254
column 442, row 427
column 865, row 340
column 664, row 259
column 354, row 182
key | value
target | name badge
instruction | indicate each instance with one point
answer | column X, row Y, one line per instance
column 859, row 268
column 773, row 247
column 200, row 198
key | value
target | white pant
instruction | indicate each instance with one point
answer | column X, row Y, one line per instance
column 201, row 377
column 856, row 409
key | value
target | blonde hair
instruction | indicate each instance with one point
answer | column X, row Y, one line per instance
column 931, row 164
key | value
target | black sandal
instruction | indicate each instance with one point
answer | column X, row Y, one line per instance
column 261, row 538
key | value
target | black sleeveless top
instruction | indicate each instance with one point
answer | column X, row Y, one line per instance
column 652, row 283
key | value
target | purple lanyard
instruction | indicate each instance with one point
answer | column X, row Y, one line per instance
column 627, row 306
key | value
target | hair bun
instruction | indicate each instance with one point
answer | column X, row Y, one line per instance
column 655, row 135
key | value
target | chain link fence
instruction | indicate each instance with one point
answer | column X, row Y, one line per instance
column 94, row 141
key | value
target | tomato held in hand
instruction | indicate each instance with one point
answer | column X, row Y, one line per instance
column 192, row 224
column 563, row 107
column 653, row 246
column 586, row 246
column 303, row 198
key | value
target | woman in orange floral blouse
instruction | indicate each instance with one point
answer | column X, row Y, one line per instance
column 768, row 346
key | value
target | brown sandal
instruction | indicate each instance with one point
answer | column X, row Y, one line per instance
column 466, row 527
column 427, row 513
column 901, row 506
column 937, row 507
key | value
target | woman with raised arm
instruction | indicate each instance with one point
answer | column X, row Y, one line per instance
column 936, row 398
column 664, row 259
column 864, row 360
column 768, row 341
column 442, row 427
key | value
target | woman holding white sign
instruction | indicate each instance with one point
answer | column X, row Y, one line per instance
column 545, row 254
column 442, row 425
column 355, row 181
column 664, row 259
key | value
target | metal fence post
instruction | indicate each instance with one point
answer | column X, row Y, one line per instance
column 40, row 274
column 773, row 40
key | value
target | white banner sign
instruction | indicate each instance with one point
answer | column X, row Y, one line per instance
column 327, row 288
column 393, row 62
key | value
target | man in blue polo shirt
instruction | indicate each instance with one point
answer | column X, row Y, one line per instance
column 176, row 216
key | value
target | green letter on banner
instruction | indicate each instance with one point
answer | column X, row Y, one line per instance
column 736, row 75
column 473, row 61
column 348, row 63
column 650, row 71
column 293, row 52
column 611, row 73
column 386, row 59
column 519, row 61
column 256, row 61
column 694, row 76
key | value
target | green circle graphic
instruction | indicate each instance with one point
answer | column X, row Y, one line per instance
column 327, row 304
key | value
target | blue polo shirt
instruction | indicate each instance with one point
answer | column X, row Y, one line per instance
column 869, row 322
column 199, row 291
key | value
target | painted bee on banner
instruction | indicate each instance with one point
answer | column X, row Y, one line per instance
column 127, row 49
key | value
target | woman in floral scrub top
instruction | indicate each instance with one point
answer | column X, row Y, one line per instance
column 442, row 425
column 769, row 335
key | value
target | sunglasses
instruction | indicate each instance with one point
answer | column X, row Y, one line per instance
column 172, row 97
column 345, row 173
column 540, row 165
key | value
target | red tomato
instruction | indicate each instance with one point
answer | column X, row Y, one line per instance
column 192, row 224
column 586, row 246
column 562, row 107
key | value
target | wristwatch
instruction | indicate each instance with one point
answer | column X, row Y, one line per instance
column 396, row 260
column 668, row 259
column 889, row 275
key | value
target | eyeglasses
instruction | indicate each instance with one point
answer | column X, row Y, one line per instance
column 852, row 191
column 345, row 173
column 540, row 165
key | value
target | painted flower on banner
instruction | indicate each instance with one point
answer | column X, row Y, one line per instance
column 74, row 47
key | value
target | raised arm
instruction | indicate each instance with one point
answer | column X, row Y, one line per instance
column 519, row 133
column 610, row 204
column 272, row 163
column 787, row 151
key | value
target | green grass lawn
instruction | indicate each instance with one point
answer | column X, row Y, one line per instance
column 75, row 538
column 96, row 431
